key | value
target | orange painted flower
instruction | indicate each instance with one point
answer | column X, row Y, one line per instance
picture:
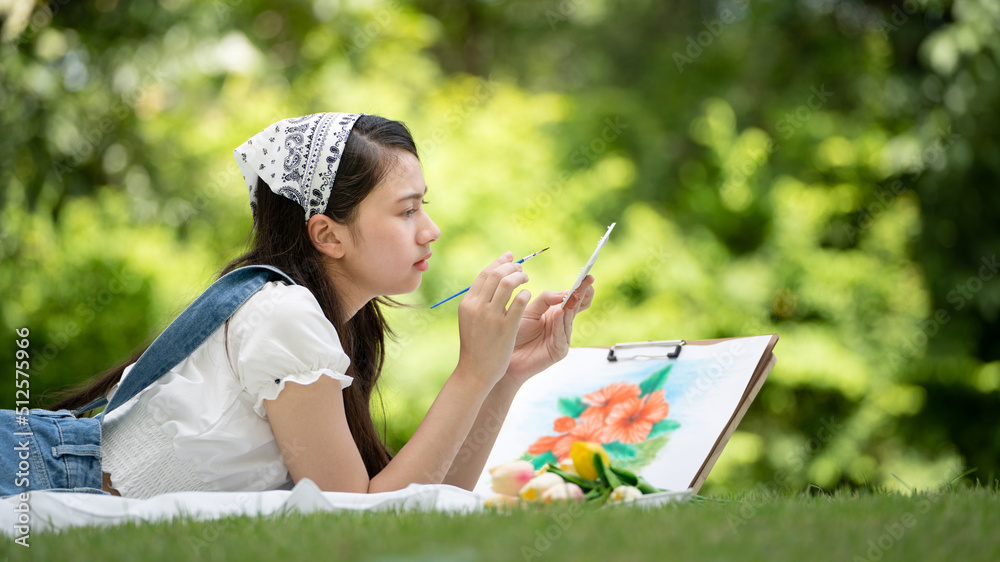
column 632, row 420
column 558, row 444
column 592, row 425
column 544, row 444
column 590, row 430
column 561, row 447
column 563, row 424
column 604, row 400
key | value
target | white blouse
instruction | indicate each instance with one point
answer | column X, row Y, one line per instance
column 203, row 426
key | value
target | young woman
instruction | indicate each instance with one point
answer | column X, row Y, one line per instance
column 282, row 391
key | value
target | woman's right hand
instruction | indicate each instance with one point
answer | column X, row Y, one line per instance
column 486, row 325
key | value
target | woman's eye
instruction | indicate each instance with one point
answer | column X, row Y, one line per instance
column 410, row 212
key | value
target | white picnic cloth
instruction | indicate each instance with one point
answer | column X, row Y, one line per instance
column 61, row 510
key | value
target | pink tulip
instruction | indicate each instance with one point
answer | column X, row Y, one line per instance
column 510, row 477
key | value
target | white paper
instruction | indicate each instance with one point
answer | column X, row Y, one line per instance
column 703, row 390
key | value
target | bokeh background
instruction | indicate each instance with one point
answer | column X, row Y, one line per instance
column 825, row 170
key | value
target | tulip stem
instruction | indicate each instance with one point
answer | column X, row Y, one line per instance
column 584, row 484
column 626, row 477
column 646, row 487
column 606, row 474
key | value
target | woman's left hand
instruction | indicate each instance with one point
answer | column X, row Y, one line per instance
column 544, row 332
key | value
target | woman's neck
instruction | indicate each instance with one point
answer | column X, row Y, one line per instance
column 352, row 297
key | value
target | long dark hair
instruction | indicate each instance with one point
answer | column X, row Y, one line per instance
column 280, row 239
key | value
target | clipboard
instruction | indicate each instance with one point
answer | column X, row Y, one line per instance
column 687, row 454
column 760, row 373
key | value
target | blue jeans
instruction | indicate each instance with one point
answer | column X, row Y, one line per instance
column 46, row 454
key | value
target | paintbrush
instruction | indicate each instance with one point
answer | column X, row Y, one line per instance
column 463, row 291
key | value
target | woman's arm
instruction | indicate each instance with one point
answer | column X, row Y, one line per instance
column 471, row 458
column 310, row 424
column 543, row 338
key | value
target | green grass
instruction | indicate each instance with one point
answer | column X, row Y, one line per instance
column 956, row 524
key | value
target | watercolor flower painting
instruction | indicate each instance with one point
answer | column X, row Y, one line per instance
column 629, row 420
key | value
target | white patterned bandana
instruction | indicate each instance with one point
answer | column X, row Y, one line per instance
column 298, row 158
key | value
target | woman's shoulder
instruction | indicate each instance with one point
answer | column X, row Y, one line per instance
column 281, row 334
column 281, row 292
column 280, row 307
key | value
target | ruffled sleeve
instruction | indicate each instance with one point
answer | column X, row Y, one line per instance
column 281, row 335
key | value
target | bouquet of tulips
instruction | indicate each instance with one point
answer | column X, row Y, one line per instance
column 589, row 477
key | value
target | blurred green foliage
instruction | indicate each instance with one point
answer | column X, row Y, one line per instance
column 821, row 169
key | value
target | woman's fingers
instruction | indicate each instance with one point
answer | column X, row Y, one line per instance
column 520, row 303
column 501, row 283
column 579, row 300
column 487, row 328
column 545, row 300
column 496, row 283
column 477, row 288
column 588, row 297
column 578, row 295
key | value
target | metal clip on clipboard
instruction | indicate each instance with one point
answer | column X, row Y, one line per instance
column 676, row 344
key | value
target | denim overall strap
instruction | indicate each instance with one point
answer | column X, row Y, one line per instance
column 189, row 330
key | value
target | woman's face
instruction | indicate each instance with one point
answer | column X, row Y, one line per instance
column 390, row 247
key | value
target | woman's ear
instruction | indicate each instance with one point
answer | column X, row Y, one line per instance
column 327, row 235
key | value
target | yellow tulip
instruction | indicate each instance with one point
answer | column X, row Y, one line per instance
column 582, row 453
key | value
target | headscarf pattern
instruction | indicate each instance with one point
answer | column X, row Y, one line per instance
column 297, row 158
